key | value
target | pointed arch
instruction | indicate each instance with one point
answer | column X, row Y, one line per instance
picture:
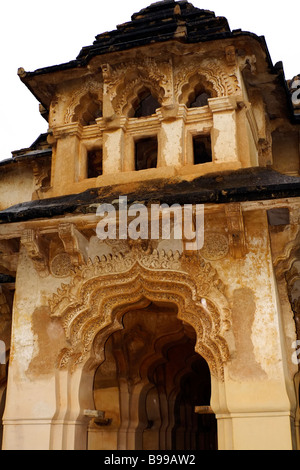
column 131, row 93
column 87, row 110
column 86, row 103
column 145, row 104
column 208, row 75
column 197, row 85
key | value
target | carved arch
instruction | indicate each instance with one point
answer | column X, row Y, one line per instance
column 129, row 93
column 214, row 79
column 196, row 84
column 101, row 291
column 89, row 94
column 88, row 109
column 124, row 81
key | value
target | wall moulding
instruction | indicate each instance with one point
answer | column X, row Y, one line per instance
column 93, row 302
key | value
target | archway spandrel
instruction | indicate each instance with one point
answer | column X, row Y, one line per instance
column 100, row 291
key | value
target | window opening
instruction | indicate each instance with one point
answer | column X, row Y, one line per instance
column 146, row 107
column 200, row 100
column 202, row 149
column 94, row 163
column 146, row 153
column 88, row 110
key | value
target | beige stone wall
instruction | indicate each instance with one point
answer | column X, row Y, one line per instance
column 251, row 370
column 236, row 300
column 17, row 185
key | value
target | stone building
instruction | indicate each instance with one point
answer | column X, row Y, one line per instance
column 146, row 342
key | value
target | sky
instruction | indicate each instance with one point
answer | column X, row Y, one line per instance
column 35, row 34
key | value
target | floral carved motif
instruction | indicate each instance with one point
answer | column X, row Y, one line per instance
column 99, row 291
column 216, row 246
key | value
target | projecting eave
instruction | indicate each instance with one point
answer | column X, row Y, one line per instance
column 42, row 83
column 252, row 184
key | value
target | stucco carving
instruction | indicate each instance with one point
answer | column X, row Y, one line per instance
column 216, row 246
column 90, row 86
column 99, row 291
column 123, row 81
column 33, row 243
column 287, row 267
column 218, row 79
column 61, row 265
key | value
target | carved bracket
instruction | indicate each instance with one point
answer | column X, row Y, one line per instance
column 75, row 243
column 236, row 230
column 33, row 243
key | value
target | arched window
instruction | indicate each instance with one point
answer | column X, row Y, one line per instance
column 200, row 100
column 145, row 105
column 196, row 92
column 88, row 110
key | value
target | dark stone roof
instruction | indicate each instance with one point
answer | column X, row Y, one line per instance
column 39, row 149
column 251, row 184
column 160, row 22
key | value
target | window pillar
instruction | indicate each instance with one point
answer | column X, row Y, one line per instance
column 113, row 146
column 172, row 135
column 224, row 133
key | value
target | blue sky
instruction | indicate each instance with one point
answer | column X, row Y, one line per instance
column 37, row 34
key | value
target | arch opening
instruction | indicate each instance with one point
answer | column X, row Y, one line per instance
column 88, row 110
column 144, row 104
column 150, row 385
column 196, row 92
